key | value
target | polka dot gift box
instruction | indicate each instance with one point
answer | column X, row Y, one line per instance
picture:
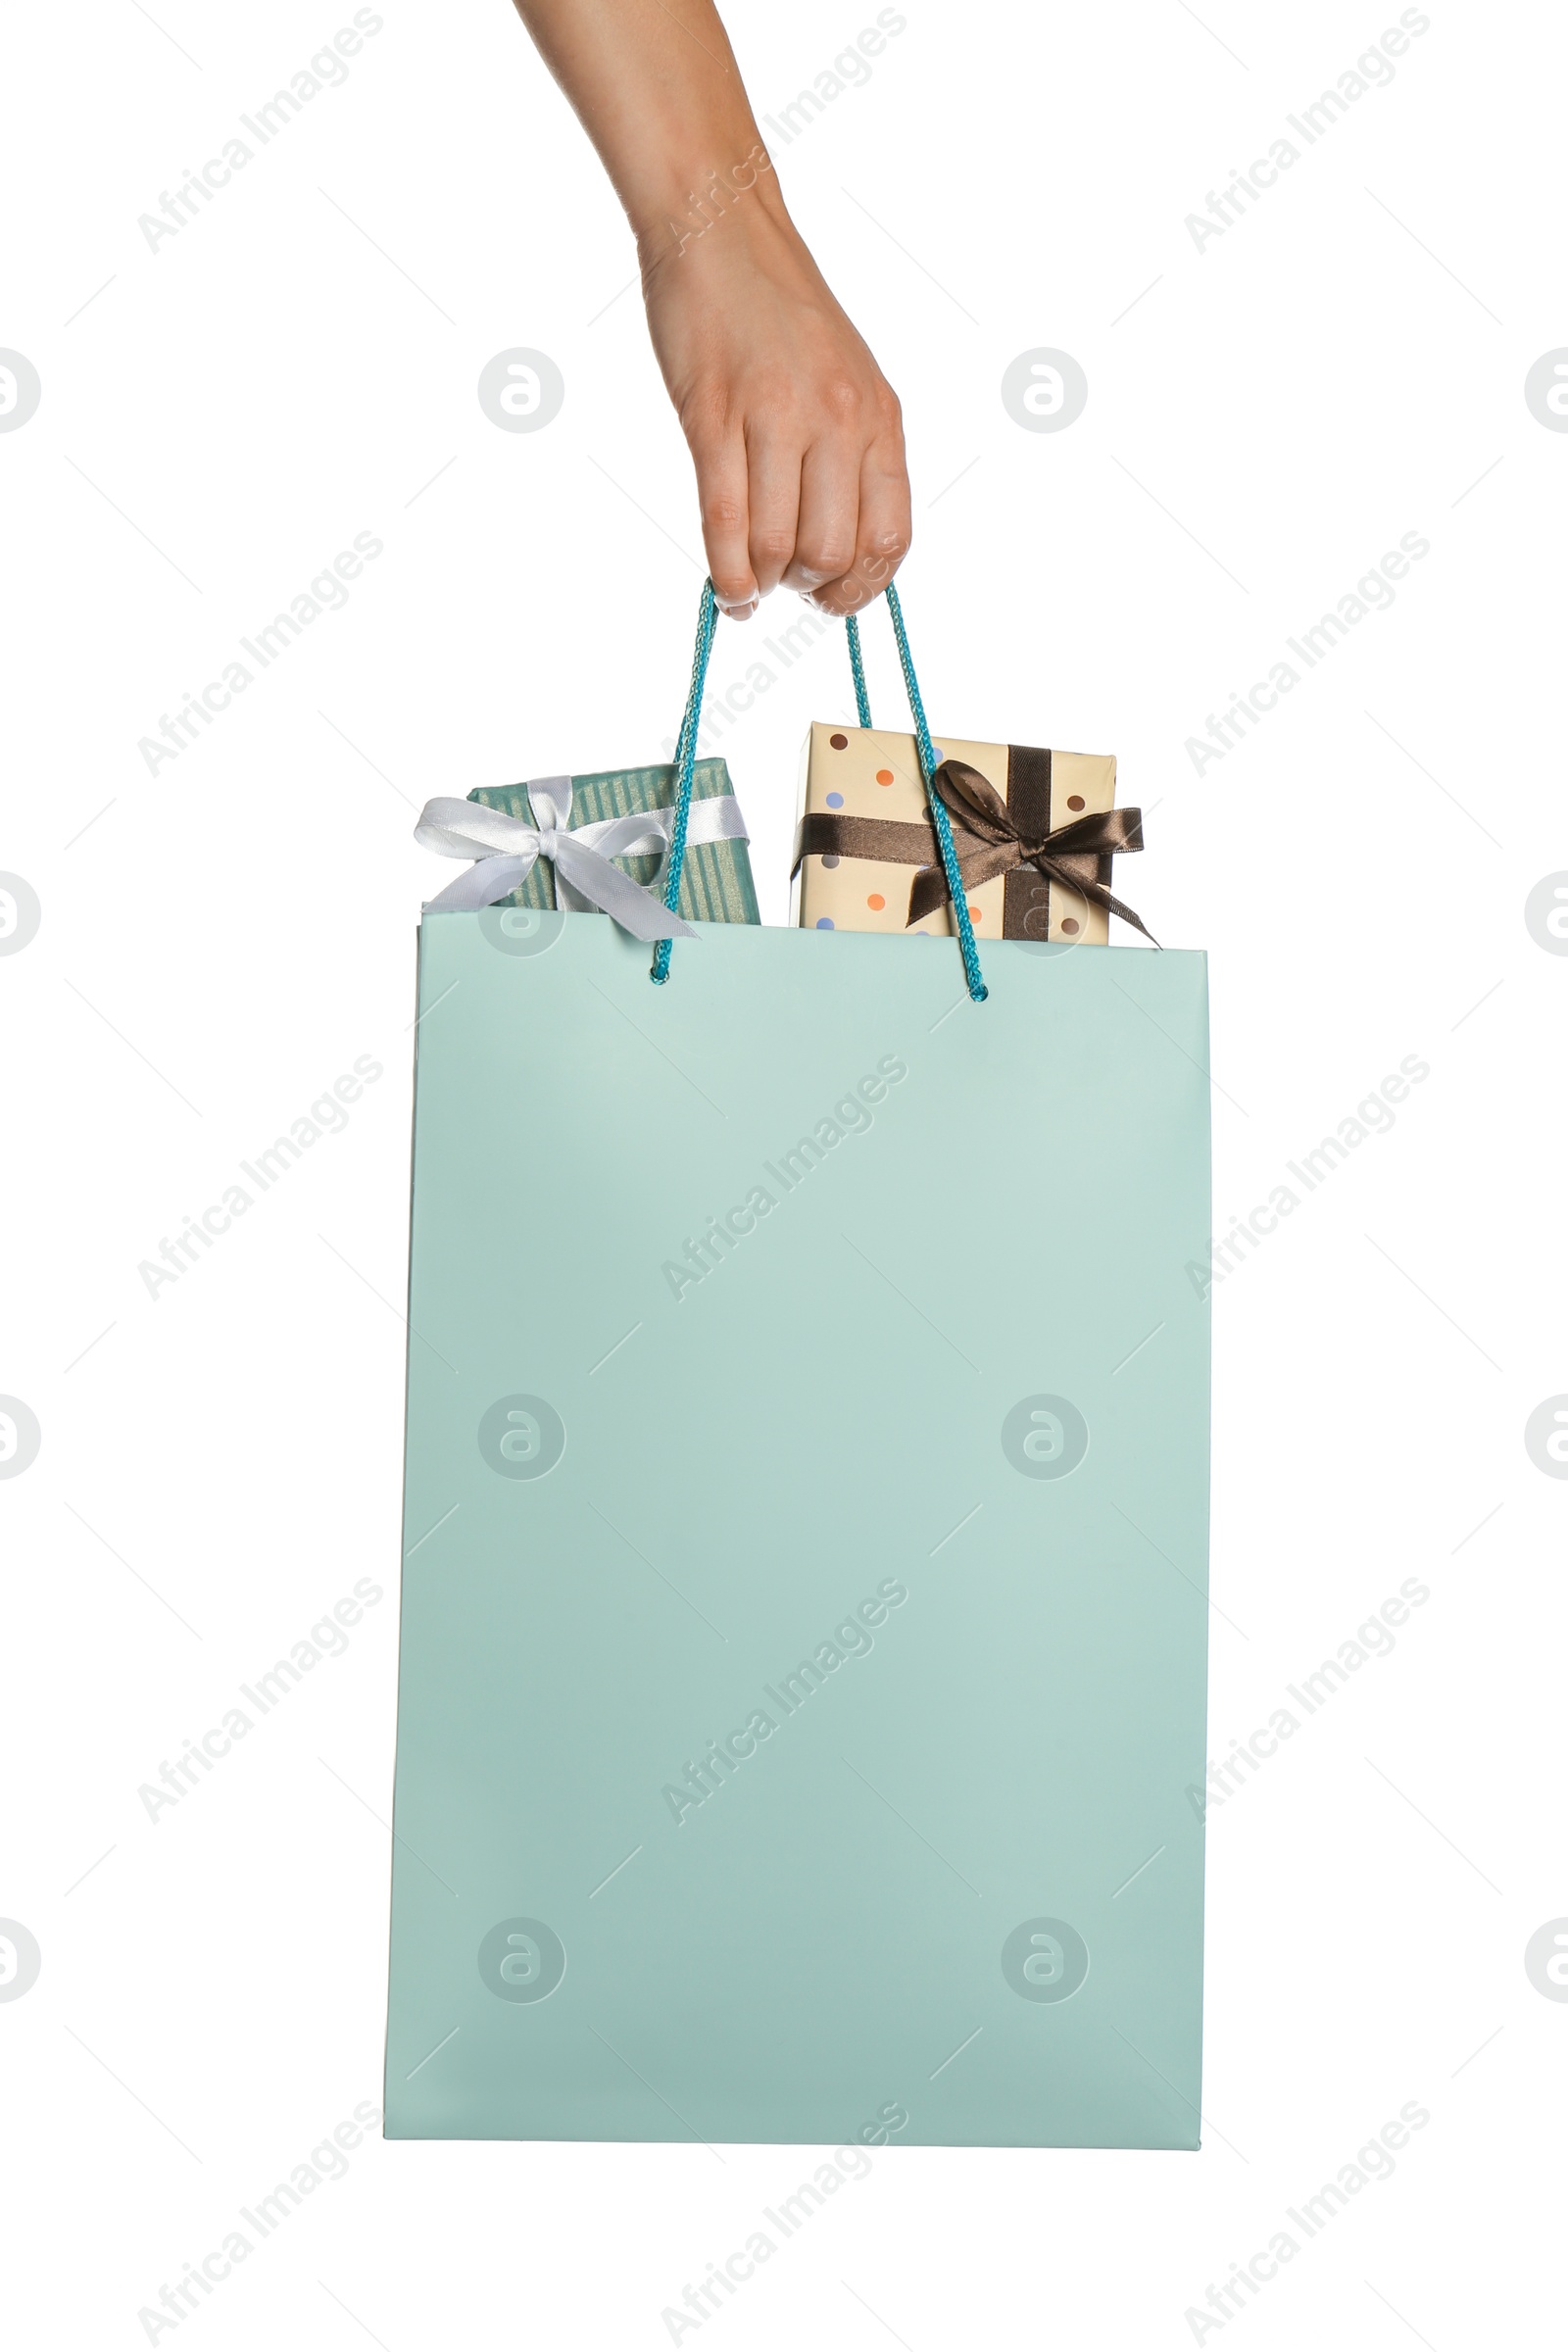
column 865, row 834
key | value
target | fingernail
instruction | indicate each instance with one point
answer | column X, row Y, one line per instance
column 742, row 612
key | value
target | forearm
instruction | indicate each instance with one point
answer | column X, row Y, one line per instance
column 657, row 88
column 793, row 432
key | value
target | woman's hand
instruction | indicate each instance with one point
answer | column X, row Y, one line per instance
column 794, row 430
column 796, row 435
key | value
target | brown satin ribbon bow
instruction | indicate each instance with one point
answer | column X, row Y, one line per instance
column 989, row 842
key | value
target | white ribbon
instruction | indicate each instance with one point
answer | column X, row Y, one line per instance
column 506, row 850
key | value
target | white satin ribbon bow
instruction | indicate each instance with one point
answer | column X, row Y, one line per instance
column 506, row 850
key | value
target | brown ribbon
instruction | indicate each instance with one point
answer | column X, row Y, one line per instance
column 988, row 841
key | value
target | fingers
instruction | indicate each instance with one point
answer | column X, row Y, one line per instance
column 774, row 493
column 830, row 521
column 724, row 504
column 829, row 514
column 882, row 529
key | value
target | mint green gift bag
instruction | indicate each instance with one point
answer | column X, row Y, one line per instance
column 804, row 1619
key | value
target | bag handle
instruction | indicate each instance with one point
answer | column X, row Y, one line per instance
column 926, row 753
column 685, row 766
column 686, row 762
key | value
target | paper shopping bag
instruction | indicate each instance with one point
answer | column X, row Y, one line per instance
column 804, row 1622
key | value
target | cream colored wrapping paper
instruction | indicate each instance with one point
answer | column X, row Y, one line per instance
column 865, row 771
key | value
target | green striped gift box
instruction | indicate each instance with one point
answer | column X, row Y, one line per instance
column 716, row 882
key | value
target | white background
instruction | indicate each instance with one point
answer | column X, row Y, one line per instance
column 220, row 1463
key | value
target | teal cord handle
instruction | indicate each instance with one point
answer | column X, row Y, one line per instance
column 862, row 701
column 942, row 823
column 685, row 766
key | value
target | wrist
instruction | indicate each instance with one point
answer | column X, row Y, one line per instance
column 742, row 198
